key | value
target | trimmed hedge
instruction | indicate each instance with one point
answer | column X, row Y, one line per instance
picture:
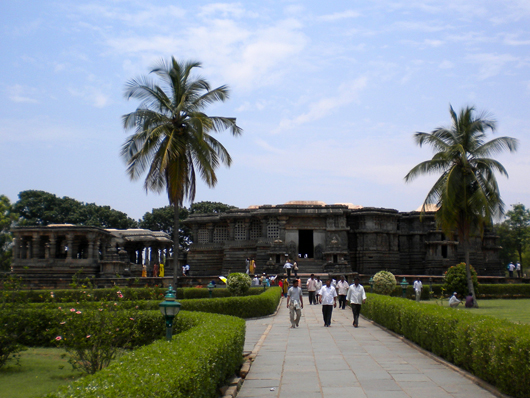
column 486, row 291
column 194, row 364
column 495, row 350
column 144, row 293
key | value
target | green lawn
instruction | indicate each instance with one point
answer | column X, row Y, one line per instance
column 39, row 373
column 513, row 310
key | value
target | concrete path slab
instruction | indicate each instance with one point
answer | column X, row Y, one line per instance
column 365, row 362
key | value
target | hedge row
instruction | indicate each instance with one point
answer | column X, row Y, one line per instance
column 486, row 291
column 242, row 307
column 495, row 350
column 194, row 364
column 144, row 293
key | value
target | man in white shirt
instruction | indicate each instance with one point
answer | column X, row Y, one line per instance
column 328, row 299
column 356, row 296
column 287, row 266
column 417, row 288
column 295, row 303
column 453, row 301
column 511, row 267
column 342, row 290
column 311, row 289
column 518, row 269
column 255, row 281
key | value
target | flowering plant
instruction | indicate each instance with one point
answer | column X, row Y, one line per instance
column 384, row 282
column 238, row 283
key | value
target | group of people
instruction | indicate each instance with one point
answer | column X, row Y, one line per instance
column 156, row 271
column 514, row 267
column 327, row 296
column 251, row 268
column 454, row 301
column 263, row 280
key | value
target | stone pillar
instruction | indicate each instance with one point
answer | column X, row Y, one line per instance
column 16, row 249
column 282, row 221
column 36, row 245
column 247, row 229
column 70, row 245
column 195, row 233
column 91, row 237
column 231, row 227
column 140, row 256
column 53, row 245
column 263, row 227
column 210, row 228
column 28, row 249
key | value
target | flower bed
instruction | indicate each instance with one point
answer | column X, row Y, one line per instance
column 194, row 364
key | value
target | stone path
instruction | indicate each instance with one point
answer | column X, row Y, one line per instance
column 341, row 361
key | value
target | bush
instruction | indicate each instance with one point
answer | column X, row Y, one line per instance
column 493, row 349
column 10, row 304
column 194, row 364
column 238, row 283
column 384, row 282
column 456, row 280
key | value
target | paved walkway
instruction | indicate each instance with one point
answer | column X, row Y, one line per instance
column 341, row 361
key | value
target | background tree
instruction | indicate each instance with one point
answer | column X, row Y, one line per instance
column 6, row 220
column 210, row 208
column 172, row 140
column 516, row 231
column 43, row 208
column 467, row 191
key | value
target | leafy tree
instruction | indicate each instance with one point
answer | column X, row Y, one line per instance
column 467, row 191
column 210, row 208
column 162, row 219
column 172, row 141
column 6, row 239
column 455, row 280
column 516, row 230
column 43, row 208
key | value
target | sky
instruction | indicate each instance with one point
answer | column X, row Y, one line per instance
column 329, row 94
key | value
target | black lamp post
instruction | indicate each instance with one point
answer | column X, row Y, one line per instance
column 170, row 309
column 371, row 282
column 210, row 288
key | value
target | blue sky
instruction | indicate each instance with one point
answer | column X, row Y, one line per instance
column 328, row 94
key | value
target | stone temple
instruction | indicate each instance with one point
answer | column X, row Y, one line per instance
column 331, row 238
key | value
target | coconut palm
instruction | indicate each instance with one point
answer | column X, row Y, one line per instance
column 172, row 139
column 466, row 192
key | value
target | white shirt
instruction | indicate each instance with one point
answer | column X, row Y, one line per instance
column 328, row 293
column 342, row 287
column 356, row 294
column 294, row 293
column 453, row 300
column 311, row 285
column 319, row 286
column 287, row 265
column 417, row 286
column 511, row 267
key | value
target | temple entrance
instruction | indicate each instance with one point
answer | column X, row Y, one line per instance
column 305, row 243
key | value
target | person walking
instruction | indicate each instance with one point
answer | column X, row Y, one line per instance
column 285, row 287
column 295, row 304
column 342, row 290
column 295, row 269
column 328, row 299
column 518, row 269
column 247, row 265
column 311, row 285
column 356, row 296
column 288, row 266
column 317, row 291
column 511, row 267
column 417, row 288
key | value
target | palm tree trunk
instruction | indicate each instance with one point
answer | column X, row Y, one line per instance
column 176, row 245
column 470, row 286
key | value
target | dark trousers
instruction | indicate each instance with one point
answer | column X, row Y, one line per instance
column 511, row 274
column 327, row 310
column 342, row 301
column 288, row 272
column 312, row 299
column 356, row 308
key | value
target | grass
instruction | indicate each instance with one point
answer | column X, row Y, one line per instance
column 39, row 373
column 517, row 311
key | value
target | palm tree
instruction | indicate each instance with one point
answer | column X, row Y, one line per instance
column 466, row 192
column 172, row 138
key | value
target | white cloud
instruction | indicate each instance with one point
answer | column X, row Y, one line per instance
column 22, row 94
column 226, row 10
column 148, row 16
column 445, row 64
column 347, row 93
column 91, row 94
column 339, row 15
column 491, row 64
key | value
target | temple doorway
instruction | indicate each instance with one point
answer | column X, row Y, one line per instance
column 305, row 243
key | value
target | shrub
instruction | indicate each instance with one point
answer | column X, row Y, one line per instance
column 384, row 282
column 238, row 283
column 10, row 304
column 493, row 349
column 193, row 364
column 456, row 279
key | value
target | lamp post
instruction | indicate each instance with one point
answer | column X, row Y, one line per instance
column 430, row 287
column 404, row 284
column 371, row 282
column 210, row 288
column 170, row 309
